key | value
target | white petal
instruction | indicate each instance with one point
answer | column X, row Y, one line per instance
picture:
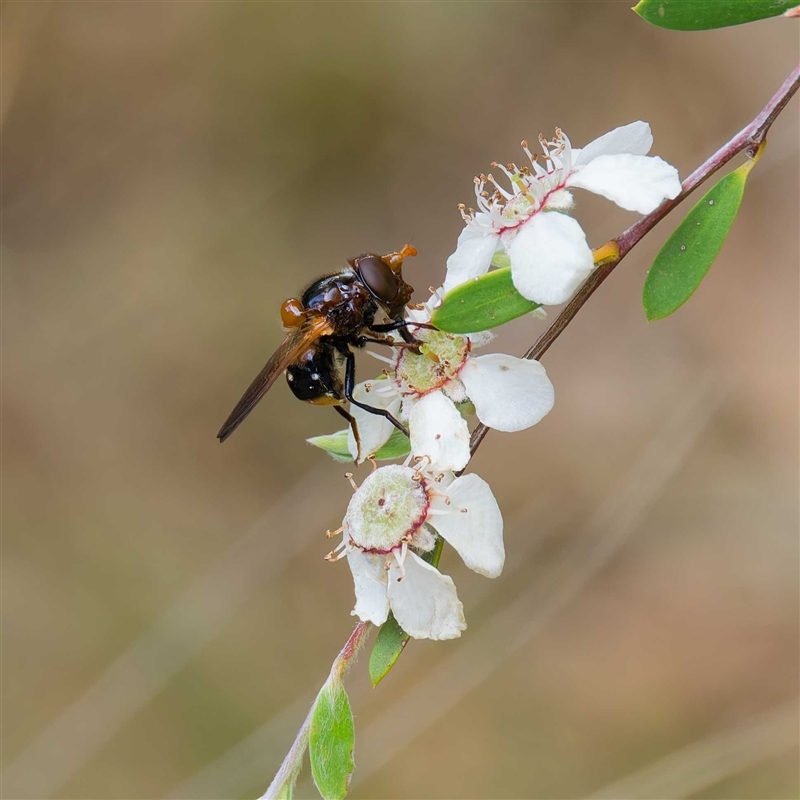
column 634, row 138
column 369, row 576
column 472, row 257
column 477, row 533
column 373, row 430
column 439, row 431
column 509, row 394
column 479, row 339
column 636, row 183
column 425, row 602
column 550, row 258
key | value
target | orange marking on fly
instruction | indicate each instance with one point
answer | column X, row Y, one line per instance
column 292, row 313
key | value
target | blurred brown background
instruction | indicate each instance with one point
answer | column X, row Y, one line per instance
column 170, row 173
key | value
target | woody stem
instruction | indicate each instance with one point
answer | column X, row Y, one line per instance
column 749, row 138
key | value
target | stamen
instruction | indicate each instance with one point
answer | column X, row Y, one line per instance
column 434, row 493
column 334, row 556
column 330, row 534
column 400, row 559
column 349, row 476
column 380, row 357
column 371, row 459
column 420, row 459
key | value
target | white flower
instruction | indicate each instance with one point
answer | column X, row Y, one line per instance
column 390, row 520
column 508, row 394
column 547, row 248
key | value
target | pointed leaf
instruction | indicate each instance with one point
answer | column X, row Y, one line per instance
column 480, row 304
column 397, row 446
column 335, row 444
column 701, row 15
column 331, row 741
column 392, row 639
column 689, row 252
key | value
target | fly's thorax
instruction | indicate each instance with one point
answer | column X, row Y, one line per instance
column 442, row 356
column 389, row 510
column 344, row 301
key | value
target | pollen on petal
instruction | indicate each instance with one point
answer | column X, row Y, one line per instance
column 509, row 394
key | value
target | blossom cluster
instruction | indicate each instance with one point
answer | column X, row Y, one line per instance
column 395, row 517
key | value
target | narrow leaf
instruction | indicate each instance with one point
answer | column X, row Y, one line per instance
column 335, row 444
column 700, row 15
column 480, row 304
column 331, row 741
column 397, row 446
column 392, row 639
column 389, row 643
column 691, row 249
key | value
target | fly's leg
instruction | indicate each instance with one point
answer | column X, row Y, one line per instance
column 350, row 384
column 401, row 326
column 362, row 340
column 353, row 425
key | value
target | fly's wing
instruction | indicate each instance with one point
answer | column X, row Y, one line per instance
column 295, row 343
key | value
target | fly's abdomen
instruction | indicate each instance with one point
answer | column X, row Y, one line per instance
column 314, row 377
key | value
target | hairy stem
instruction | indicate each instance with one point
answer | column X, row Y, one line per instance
column 286, row 776
column 750, row 138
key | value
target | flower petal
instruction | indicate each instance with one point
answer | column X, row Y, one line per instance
column 636, row 183
column 439, row 431
column 635, row 138
column 473, row 256
column 509, row 394
column 373, row 430
column 550, row 258
column 425, row 602
column 369, row 577
column 477, row 532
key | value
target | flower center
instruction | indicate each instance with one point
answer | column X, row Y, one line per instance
column 388, row 509
column 440, row 359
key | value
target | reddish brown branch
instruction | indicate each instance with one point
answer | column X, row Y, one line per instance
column 749, row 138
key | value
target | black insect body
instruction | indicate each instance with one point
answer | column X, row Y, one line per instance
column 335, row 314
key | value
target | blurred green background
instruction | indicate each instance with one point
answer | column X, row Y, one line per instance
column 170, row 173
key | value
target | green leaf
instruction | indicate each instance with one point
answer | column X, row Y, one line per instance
column 701, row 15
column 389, row 643
column 335, row 444
column 398, row 446
column 392, row 639
column 286, row 792
column 480, row 304
column 331, row 741
column 689, row 252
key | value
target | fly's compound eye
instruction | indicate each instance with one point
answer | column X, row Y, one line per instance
column 378, row 277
